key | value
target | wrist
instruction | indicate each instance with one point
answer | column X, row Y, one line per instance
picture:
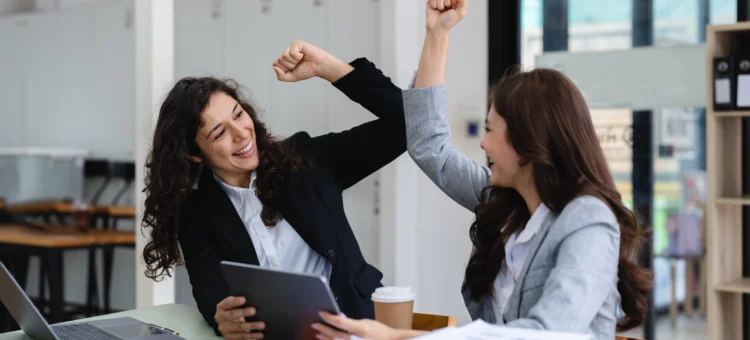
column 437, row 41
column 333, row 69
column 438, row 33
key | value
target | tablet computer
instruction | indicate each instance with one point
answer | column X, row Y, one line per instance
column 287, row 302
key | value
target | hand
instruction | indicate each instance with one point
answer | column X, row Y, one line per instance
column 231, row 320
column 366, row 329
column 303, row 60
column 442, row 15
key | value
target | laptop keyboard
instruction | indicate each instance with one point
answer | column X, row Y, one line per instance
column 82, row 331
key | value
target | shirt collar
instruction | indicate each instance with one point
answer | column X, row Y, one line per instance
column 235, row 193
column 534, row 224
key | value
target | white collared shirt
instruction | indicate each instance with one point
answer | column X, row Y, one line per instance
column 279, row 247
column 515, row 255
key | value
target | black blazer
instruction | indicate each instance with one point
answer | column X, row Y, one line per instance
column 211, row 230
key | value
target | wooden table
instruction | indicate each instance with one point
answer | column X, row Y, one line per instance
column 120, row 211
column 181, row 318
column 48, row 242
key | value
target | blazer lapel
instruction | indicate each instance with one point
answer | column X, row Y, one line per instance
column 302, row 206
column 514, row 303
column 219, row 209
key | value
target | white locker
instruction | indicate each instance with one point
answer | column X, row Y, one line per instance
column 11, row 116
column 114, row 92
column 199, row 38
column 40, row 53
column 298, row 106
column 76, row 107
column 248, row 54
column 353, row 31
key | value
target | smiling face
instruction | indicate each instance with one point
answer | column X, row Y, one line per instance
column 226, row 138
column 504, row 160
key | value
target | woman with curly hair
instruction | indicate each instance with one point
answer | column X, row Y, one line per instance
column 221, row 187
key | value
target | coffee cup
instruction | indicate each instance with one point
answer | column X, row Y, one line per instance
column 394, row 306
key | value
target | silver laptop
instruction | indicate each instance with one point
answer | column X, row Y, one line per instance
column 33, row 324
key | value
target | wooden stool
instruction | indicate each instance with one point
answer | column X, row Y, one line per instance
column 690, row 264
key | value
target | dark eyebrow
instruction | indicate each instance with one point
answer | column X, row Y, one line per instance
column 219, row 125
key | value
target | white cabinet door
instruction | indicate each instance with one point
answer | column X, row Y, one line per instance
column 352, row 31
column 41, row 80
column 11, row 114
column 199, row 38
column 76, row 75
column 113, row 120
column 248, row 52
column 298, row 106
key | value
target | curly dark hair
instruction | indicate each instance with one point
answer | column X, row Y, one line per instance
column 170, row 172
column 550, row 127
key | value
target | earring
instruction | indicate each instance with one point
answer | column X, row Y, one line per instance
column 198, row 178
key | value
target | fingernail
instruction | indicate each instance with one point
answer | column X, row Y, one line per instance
column 319, row 336
column 344, row 315
column 314, row 326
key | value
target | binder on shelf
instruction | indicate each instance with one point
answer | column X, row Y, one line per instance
column 724, row 84
column 742, row 69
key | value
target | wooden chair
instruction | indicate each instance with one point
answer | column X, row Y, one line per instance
column 430, row 322
column 625, row 338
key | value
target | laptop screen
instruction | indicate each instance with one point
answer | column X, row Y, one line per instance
column 22, row 309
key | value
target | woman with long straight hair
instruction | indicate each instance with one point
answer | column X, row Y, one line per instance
column 554, row 245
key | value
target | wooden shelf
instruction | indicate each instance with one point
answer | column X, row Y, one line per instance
column 724, row 220
column 731, row 114
column 734, row 200
column 737, row 286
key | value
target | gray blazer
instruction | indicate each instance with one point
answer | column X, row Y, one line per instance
column 569, row 278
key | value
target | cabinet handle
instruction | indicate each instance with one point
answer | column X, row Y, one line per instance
column 216, row 9
column 265, row 6
column 129, row 18
column 318, row 3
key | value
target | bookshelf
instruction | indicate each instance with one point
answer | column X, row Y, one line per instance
column 726, row 285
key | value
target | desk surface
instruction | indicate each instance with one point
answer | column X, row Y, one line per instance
column 51, row 236
column 181, row 318
column 120, row 211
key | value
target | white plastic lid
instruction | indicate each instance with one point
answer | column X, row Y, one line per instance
column 393, row 294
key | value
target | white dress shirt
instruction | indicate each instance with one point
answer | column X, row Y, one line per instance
column 278, row 247
column 515, row 255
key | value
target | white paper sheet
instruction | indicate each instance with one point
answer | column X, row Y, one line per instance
column 722, row 91
column 480, row 330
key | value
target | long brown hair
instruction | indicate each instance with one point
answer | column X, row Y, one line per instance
column 170, row 173
column 549, row 126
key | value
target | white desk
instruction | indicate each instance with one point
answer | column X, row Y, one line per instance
column 183, row 319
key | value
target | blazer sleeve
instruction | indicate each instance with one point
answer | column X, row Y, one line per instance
column 583, row 277
column 355, row 154
column 428, row 142
column 202, row 263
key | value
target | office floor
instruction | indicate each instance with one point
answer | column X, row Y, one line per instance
column 693, row 328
